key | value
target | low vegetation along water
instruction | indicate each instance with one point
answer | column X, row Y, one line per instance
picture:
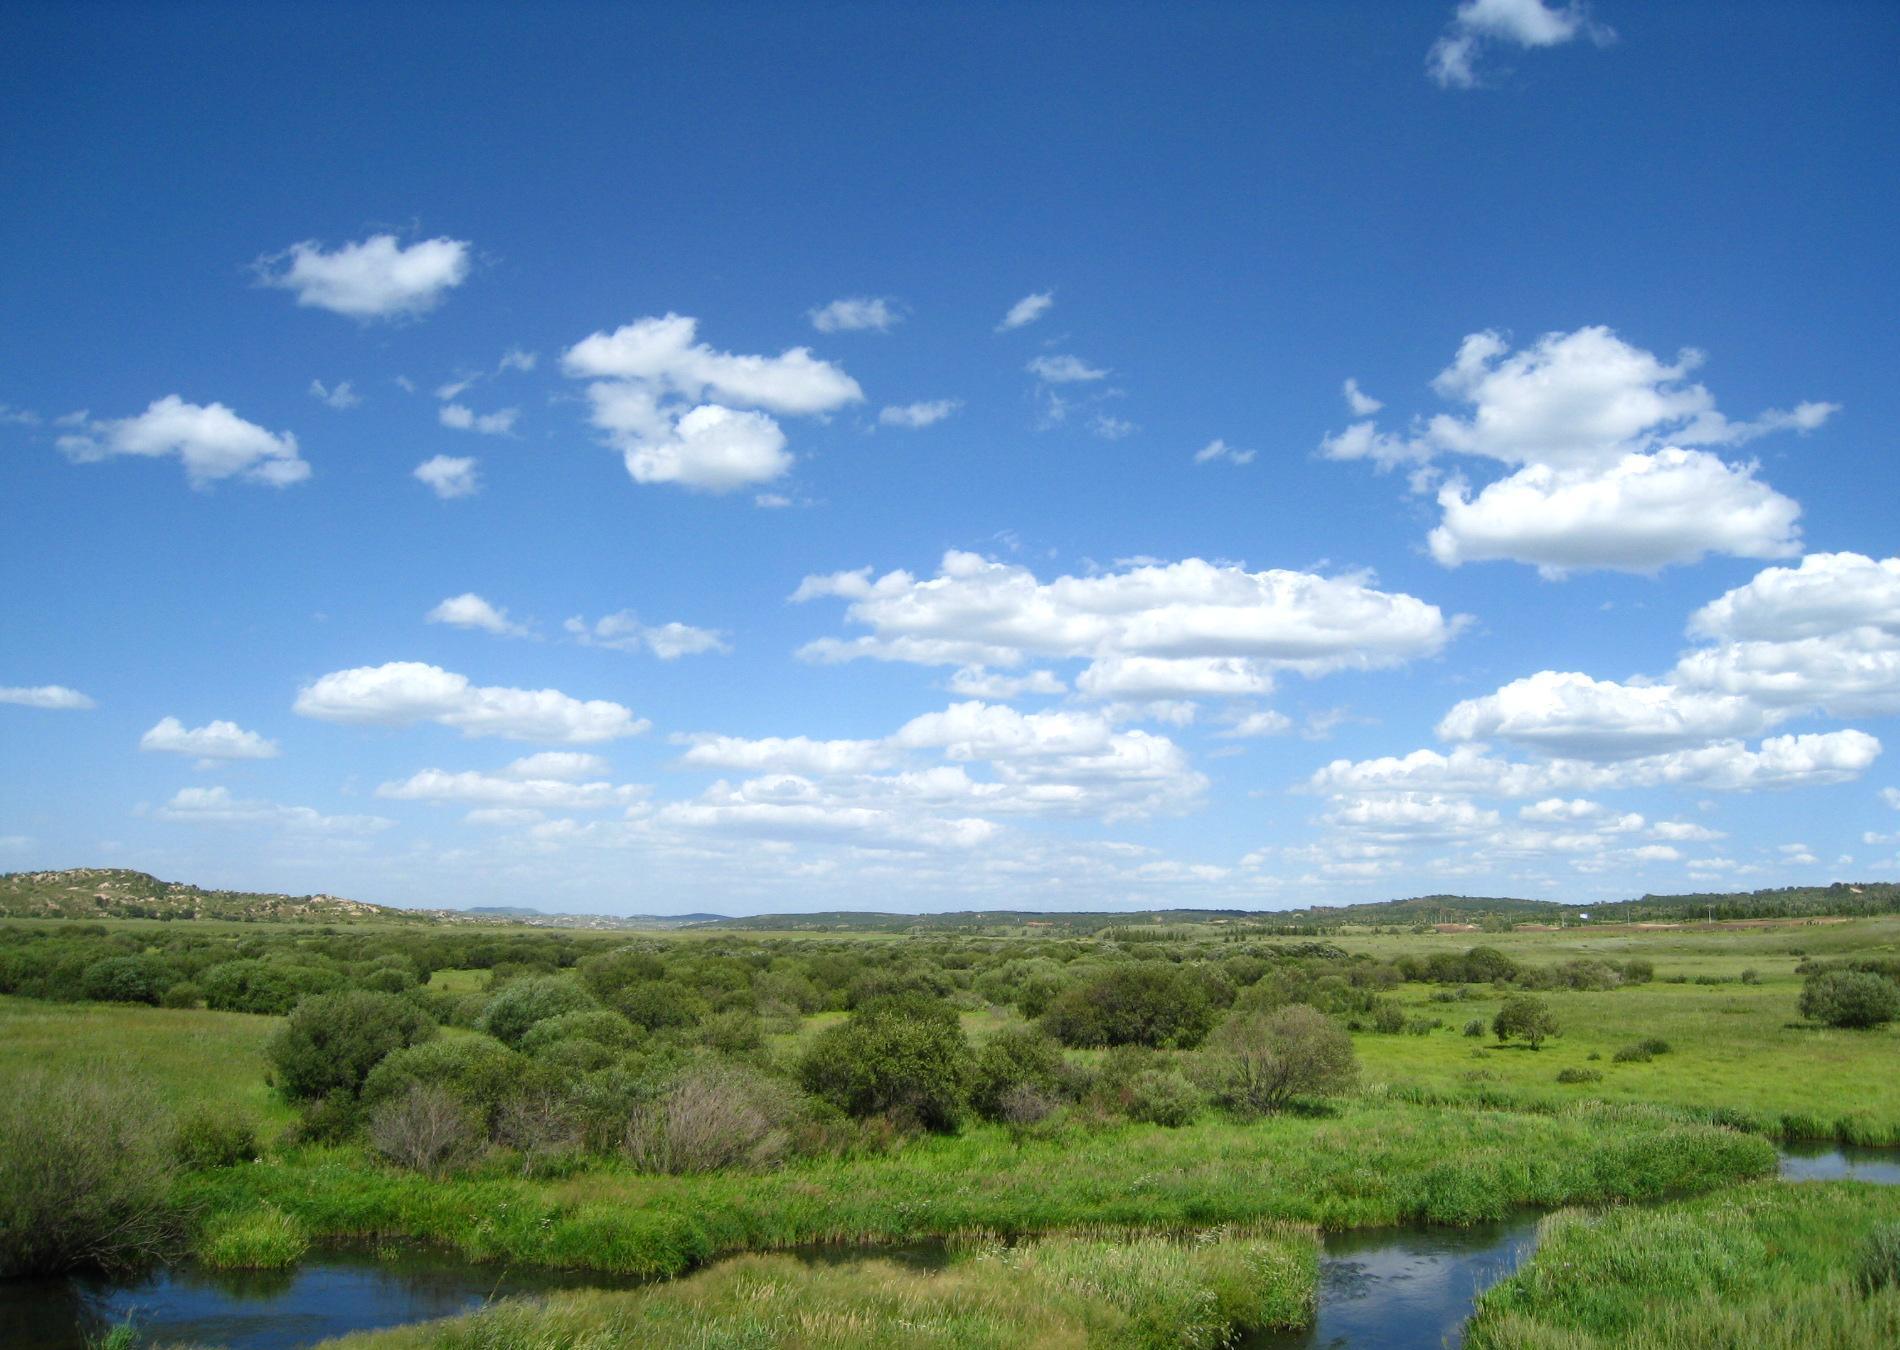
column 1410, row 1287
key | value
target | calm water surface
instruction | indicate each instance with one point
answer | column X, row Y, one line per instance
column 334, row 1291
column 1407, row 1288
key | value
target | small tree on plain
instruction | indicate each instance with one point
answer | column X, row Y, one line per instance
column 1526, row 1018
column 1262, row 1061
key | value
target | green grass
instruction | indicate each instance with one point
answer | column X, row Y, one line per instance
column 1770, row 1267
column 264, row 1238
column 1369, row 1165
column 189, row 1058
column 1061, row 1292
column 1724, row 949
column 458, row 981
column 1735, row 1048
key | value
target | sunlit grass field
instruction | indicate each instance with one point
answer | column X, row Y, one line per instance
column 1733, row 1046
column 190, row 1058
column 1770, row 1267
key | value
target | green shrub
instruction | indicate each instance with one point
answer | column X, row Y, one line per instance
column 1147, row 1003
column 904, row 1056
column 206, row 1139
column 265, row 1238
column 738, row 1032
column 522, row 1004
column 184, row 994
column 595, row 1024
column 426, row 1129
column 480, row 1072
column 1850, row 998
column 85, row 1177
column 1475, row 1027
column 1580, row 1075
column 712, row 1116
column 1655, row 1045
column 1525, row 1018
column 332, row 1041
column 254, row 986
column 1631, row 1054
column 1388, row 1019
column 1012, row 1064
column 126, row 979
column 1258, row 1062
column 1162, row 1097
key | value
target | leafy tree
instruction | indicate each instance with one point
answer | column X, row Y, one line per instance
column 903, row 1056
column 1262, row 1061
column 332, row 1041
column 1526, row 1018
column 1147, row 1003
column 1850, row 998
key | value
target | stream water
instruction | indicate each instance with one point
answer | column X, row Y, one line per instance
column 1404, row 1288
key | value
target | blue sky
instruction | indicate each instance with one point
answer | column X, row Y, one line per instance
column 762, row 458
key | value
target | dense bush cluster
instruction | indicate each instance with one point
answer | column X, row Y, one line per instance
column 1857, row 995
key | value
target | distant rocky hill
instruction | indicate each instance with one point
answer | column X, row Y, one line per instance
column 119, row 893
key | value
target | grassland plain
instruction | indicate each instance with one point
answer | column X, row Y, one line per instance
column 1059, row 1292
column 1776, row 1266
column 1444, row 1127
column 1738, row 1051
column 189, row 1057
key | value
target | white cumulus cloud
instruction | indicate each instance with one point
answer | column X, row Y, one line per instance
column 1571, row 715
column 1823, row 635
column 210, row 440
column 469, row 610
column 401, row 693
column 853, row 314
column 1230, row 627
column 449, row 477
column 463, row 418
column 213, row 740
column 914, row 415
column 1605, row 444
column 1478, row 24
column 681, row 412
column 51, row 696
column 624, row 632
column 509, row 790
column 1027, row 310
column 1065, row 370
column 379, row 278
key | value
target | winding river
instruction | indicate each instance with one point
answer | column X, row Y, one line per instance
column 1404, row 1288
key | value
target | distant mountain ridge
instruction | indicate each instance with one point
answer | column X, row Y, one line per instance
column 121, row 893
